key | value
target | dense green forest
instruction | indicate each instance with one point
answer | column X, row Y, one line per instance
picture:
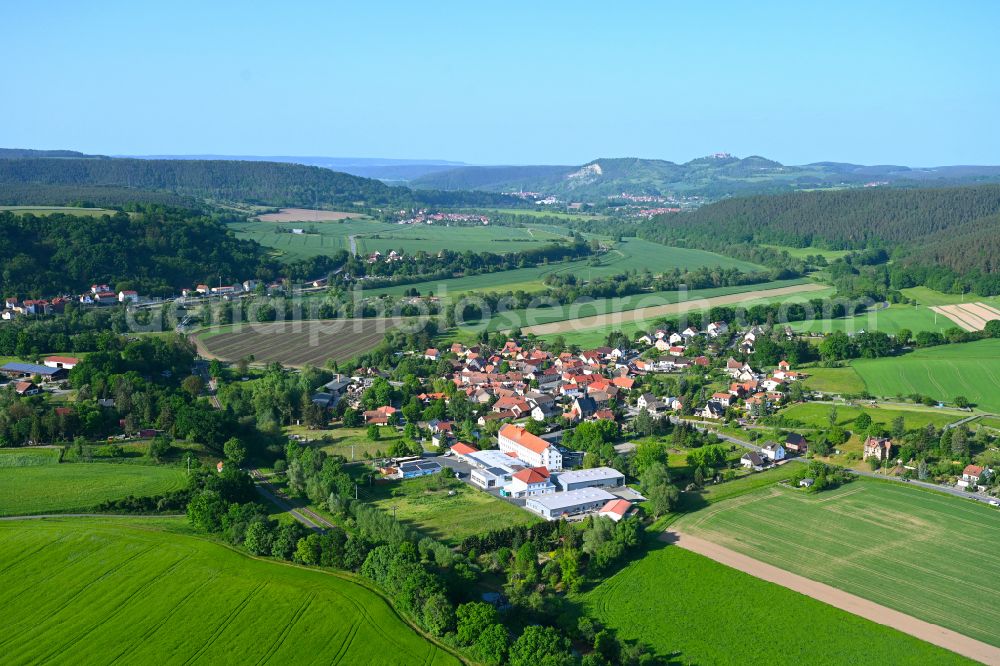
column 88, row 196
column 156, row 250
column 264, row 183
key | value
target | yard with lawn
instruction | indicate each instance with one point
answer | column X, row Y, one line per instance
column 445, row 508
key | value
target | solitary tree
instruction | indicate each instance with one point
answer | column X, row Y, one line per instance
column 235, row 452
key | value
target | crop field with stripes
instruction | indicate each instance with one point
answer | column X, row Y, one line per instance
column 83, row 591
column 925, row 554
column 297, row 343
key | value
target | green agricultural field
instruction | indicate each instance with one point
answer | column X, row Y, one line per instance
column 909, row 549
column 816, row 415
column 593, row 337
column 632, row 254
column 22, row 457
column 145, row 592
column 844, row 380
column 889, row 320
column 679, row 601
column 542, row 213
column 352, row 443
column 50, row 210
column 803, row 252
column 78, row 487
column 427, row 506
column 971, row 370
column 323, row 238
column 602, row 306
column 928, row 297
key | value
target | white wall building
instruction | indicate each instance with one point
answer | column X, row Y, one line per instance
column 530, row 448
column 596, row 477
column 556, row 505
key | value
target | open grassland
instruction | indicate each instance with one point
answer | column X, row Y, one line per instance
column 448, row 512
column 322, row 238
column 65, row 210
column 679, row 601
column 306, row 215
column 631, row 254
column 912, row 550
column 22, row 457
column 834, row 380
column 971, row 370
column 816, row 415
column 295, row 343
column 76, row 487
column 888, row 320
column 803, row 252
column 614, row 313
column 927, row 297
column 89, row 592
column 351, row 443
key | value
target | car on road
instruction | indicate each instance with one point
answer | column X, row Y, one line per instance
column 994, row 503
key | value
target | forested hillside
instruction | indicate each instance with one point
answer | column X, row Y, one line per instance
column 265, row 183
column 157, row 250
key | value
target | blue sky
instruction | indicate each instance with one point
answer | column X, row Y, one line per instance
column 914, row 83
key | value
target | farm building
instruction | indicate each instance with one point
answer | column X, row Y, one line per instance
column 66, row 362
column 596, row 477
column 16, row 370
column 530, row 448
column 571, row 503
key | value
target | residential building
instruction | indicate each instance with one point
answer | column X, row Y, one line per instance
column 773, row 451
column 752, row 460
column 529, row 482
column 877, row 447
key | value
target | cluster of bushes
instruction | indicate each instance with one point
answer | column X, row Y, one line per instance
column 172, row 502
column 824, row 476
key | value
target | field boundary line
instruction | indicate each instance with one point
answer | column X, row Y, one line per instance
column 926, row 631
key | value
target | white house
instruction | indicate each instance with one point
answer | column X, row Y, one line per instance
column 752, row 460
column 530, row 482
column 717, row 328
column 773, row 451
column 128, row 295
column 530, row 448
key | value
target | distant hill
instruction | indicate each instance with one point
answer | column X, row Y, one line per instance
column 264, row 183
column 712, row 177
column 388, row 170
column 17, row 153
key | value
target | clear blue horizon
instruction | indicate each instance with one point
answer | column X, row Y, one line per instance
column 911, row 83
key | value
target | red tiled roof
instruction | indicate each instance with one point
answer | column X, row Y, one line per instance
column 463, row 449
column 524, row 438
column 532, row 475
column 617, row 506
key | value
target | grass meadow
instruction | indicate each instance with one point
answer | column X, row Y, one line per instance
column 25, row 457
column 79, row 487
column 834, row 380
column 703, row 612
column 923, row 553
column 448, row 512
column 86, row 591
column 889, row 320
column 632, row 254
column 971, row 370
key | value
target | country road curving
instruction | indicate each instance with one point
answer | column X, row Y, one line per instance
column 932, row 633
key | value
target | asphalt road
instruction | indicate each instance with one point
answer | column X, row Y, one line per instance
column 949, row 490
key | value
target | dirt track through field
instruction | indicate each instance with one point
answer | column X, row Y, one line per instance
column 640, row 314
column 932, row 633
